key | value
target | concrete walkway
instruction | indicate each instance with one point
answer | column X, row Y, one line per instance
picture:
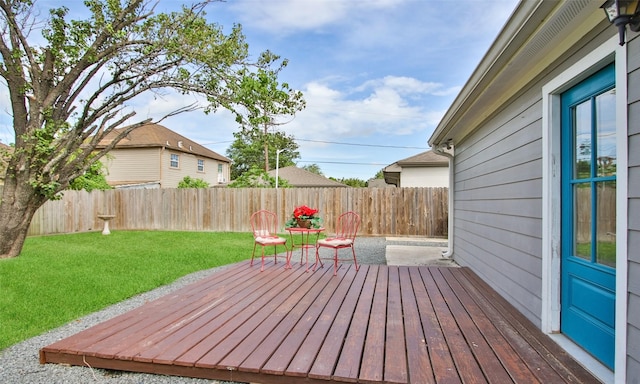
column 411, row 251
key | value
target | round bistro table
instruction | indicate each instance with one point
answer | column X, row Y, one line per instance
column 307, row 241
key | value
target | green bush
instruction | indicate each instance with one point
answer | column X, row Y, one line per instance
column 188, row 182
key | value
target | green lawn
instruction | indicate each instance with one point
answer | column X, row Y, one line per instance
column 60, row 278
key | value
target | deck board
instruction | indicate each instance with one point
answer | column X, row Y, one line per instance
column 376, row 325
column 465, row 364
column 395, row 364
column 419, row 366
column 373, row 363
column 330, row 328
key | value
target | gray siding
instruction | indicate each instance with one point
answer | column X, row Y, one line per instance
column 633, row 315
column 498, row 196
column 498, row 201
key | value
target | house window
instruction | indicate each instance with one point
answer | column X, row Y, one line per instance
column 220, row 174
column 200, row 165
column 175, row 161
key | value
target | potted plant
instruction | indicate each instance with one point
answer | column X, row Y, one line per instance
column 304, row 217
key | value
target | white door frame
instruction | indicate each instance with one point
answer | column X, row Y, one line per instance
column 591, row 63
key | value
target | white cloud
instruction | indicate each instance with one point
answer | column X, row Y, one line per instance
column 381, row 107
column 403, row 85
column 372, row 72
column 288, row 16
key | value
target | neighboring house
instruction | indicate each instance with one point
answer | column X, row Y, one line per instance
column 298, row 177
column 426, row 169
column 545, row 189
column 154, row 156
column 378, row 183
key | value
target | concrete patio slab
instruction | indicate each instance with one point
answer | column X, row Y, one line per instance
column 408, row 255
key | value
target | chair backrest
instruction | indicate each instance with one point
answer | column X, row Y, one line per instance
column 347, row 225
column 264, row 223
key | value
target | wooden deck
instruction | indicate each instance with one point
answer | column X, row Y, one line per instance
column 378, row 325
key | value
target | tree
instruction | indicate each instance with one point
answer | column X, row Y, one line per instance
column 265, row 101
column 188, row 182
column 313, row 168
column 257, row 178
column 92, row 179
column 247, row 151
column 352, row 182
column 75, row 88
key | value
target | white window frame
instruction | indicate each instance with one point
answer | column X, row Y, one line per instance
column 200, row 165
column 221, row 178
column 174, row 158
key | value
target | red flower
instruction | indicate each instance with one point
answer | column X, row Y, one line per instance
column 304, row 212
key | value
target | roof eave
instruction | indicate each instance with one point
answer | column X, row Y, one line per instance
column 537, row 33
column 423, row 164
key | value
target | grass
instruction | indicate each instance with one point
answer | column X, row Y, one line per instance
column 60, row 278
column 606, row 252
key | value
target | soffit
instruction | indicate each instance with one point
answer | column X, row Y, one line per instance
column 537, row 35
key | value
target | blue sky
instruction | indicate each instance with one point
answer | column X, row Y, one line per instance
column 377, row 75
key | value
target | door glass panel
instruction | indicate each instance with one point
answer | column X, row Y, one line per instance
column 582, row 126
column 606, row 133
column 606, row 246
column 582, row 221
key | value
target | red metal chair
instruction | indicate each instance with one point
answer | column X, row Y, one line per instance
column 265, row 228
column 346, row 229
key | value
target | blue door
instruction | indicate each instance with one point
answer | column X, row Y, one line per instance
column 589, row 214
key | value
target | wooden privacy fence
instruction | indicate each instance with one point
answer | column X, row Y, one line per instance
column 384, row 211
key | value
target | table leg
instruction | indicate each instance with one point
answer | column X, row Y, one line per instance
column 315, row 247
column 287, row 265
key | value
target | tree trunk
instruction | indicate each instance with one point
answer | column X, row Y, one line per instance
column 19, row 204
column 266, row 148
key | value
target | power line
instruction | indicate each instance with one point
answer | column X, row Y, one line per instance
column 335, row 142
column 218, row 142
column 360, row 145
column 338, row 162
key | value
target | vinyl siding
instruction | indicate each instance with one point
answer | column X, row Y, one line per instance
column 498, row 201
column 498, row 195
column 424, row 177
column 133, row 165
column 633, row 314
column 140, row 165
column 188, row 166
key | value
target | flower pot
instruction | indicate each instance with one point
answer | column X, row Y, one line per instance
column 304, row 223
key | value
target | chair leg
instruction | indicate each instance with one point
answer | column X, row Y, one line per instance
column 253, row 254
column 318, row 259
column 275, row 254
column 262, row 268
column 354, row 258
column 335, row 263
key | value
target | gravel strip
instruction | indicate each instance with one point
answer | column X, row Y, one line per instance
column 20, row 363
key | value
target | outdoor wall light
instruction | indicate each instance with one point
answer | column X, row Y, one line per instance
column 623, row 12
